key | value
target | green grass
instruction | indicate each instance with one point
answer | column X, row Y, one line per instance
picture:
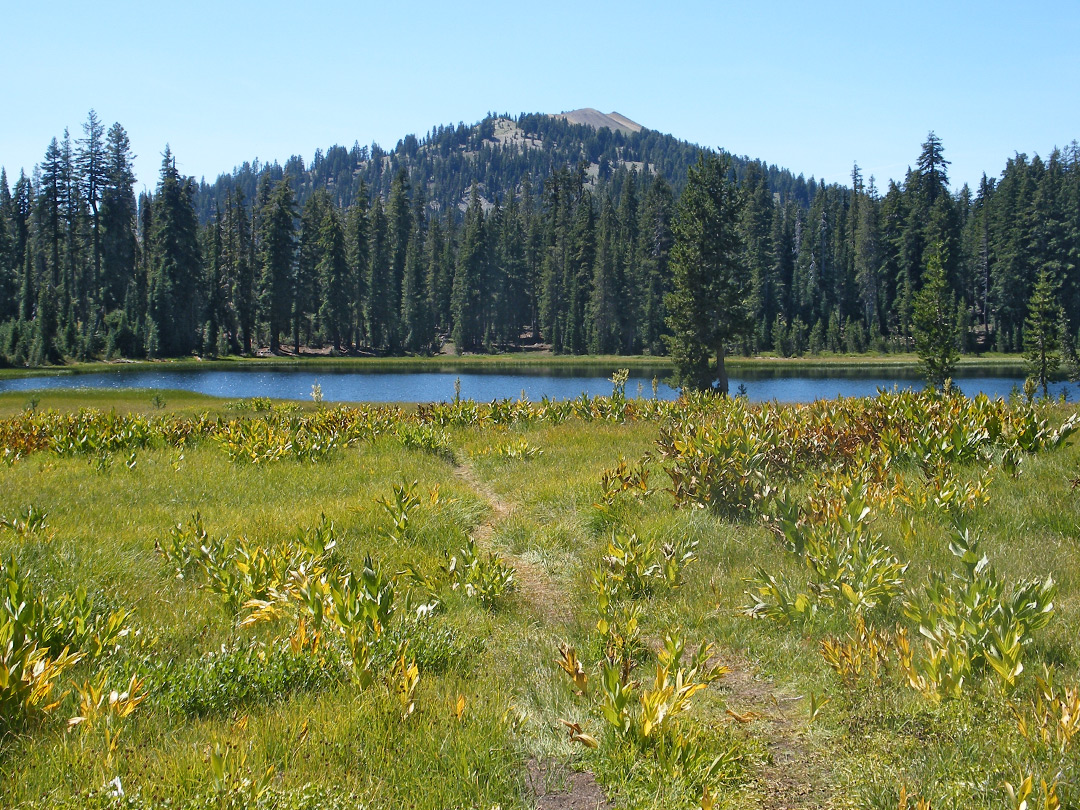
column 328, row 740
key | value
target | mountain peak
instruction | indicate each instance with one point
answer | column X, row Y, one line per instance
column 598, row 120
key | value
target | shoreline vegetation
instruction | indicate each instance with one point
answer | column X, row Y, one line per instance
column 907, row 362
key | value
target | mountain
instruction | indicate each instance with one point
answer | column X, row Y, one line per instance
column 597, row 120
column 503, row 155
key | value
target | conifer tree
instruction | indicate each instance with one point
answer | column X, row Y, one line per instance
column 382, row 306
column 93, row 178
column 399, row 222
column 356, row 242
column 240, row 269
column 416, row 321
column 278, row 259
column 1042, row 331
column 334, row 281
column 708, row 307
column 437, row 280
column 604, row 336
column 934, row 324
column 577, row 276
column 306, row 297
column 175, row 294
column 116, row 221
column 655, row 250
column 466, row 298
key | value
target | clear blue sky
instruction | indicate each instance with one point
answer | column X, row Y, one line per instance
column 813, row 86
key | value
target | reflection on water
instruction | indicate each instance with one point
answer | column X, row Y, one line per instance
column 534, row 383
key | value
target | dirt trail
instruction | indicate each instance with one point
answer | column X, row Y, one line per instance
column 555, row 788
column 537, row 586
column 795, row 777
column 552, row 786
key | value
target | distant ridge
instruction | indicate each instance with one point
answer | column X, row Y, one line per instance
column 598, row 120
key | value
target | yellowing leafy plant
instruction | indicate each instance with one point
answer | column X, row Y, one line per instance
column 862, row 655
column 100, row 707
column 972, row 622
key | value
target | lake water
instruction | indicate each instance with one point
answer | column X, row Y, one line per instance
column 554, row 383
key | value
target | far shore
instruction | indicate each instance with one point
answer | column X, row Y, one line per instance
column 1007, row 364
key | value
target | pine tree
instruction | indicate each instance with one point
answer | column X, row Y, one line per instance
column 656, row 238
column 93, row 178
column 515, row 294
column 356, row 242
column 240, row 269
column 49, row 211
column 628, row 268
column 8, row 274
column 399, row 222
column 934, row 324
column 381, row 304
column 466, row 298
column 437, row 280
column 278, row 242
column 335, row 280
column 117, row 220
column 306, row 296
column 708, row 305
column 577, row 276
column 175, row 294
column 603, row 318
column 416, row 320
column 1042, row 330
column 44, row 349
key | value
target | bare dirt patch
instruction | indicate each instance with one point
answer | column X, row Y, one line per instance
column 554, row 787
column 795, row 776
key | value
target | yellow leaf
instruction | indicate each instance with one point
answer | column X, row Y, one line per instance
column 749, row 717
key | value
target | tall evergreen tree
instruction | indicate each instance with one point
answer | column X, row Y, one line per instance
column 116, row 225
column 382, row 303
column 399, row 222
column 655, row 250
column 239, row 267
column 93, row 178
column 416, row 320
column 1042, row 330
column 335, row 281
column 577, row 276
column 175, row 294
column 708, row 306
column 604, row 298
column 934, row 324
column 466, row 298
column 278, row 259
column 357, row 244
column 306, row 296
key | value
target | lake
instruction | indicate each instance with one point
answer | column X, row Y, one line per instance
column 536, row 383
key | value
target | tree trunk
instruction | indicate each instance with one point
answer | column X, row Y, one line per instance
column 721, row 369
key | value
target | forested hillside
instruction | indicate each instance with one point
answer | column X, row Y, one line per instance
column 528, row 230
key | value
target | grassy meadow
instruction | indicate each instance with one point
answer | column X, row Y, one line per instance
column 859, row 603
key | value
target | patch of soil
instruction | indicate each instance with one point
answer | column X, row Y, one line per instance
column 794, row 777
column 553, row 787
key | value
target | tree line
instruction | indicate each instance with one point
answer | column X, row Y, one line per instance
column 562, row 236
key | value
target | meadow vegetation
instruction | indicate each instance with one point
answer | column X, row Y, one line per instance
column 702, row 603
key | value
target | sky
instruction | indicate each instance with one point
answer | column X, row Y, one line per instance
column 810, row 86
